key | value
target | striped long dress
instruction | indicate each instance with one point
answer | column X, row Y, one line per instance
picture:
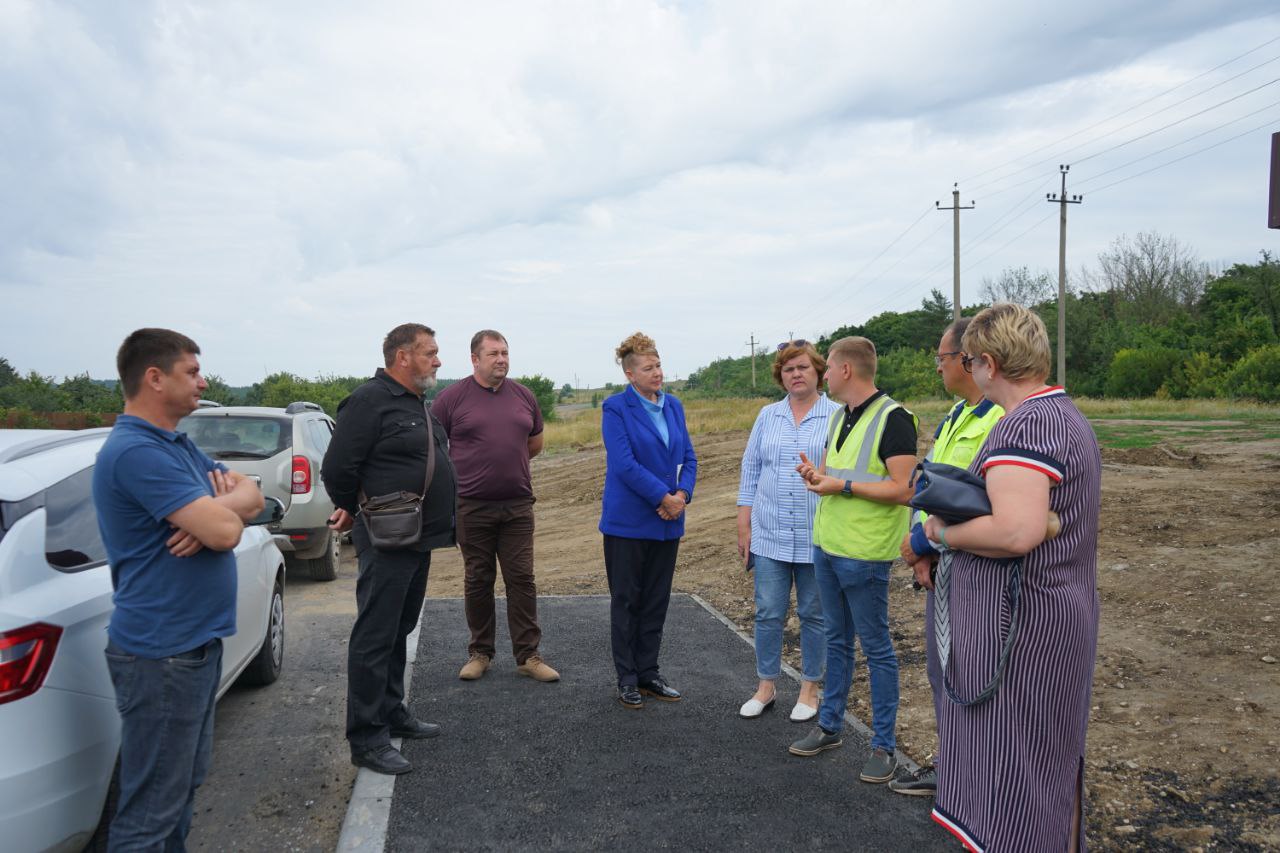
column 1010, row 769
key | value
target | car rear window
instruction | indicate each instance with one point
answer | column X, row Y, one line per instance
column 71, row 536
column 239, row 436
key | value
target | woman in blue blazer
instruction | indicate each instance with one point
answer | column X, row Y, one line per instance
column 648, row 481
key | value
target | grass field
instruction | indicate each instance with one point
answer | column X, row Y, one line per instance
column 1118, row 423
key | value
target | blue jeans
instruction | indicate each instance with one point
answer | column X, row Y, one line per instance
column 855, row 602
column 166, row 742
column 773, row 597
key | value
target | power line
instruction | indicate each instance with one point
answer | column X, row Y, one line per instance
column 1125, row 112
column 1159, row 151
column 1039, row 163
column 1263, row 126
column 1033, row 227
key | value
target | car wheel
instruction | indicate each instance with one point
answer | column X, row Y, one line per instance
column 325, row 567
column 266, row 665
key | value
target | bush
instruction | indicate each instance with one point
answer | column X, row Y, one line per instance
column 906, row 374
column 1256, row 376
column 544, row 390
column 1140, row 372
column 1198, row 376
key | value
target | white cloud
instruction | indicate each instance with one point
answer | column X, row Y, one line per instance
column 297, row 178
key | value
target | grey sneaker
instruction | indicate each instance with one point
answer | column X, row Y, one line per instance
column 922, row 783
column 880, row 767
column 815, row 741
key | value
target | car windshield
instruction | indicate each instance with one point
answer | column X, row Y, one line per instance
column 238, row 436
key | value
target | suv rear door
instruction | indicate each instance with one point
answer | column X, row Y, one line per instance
column 257, row 445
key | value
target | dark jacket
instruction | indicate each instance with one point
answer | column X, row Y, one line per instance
column 640, row 470
column 380, row 446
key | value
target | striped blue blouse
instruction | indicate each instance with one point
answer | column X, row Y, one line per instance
column 781, row 507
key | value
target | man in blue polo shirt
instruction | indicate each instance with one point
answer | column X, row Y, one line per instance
column 170, row 517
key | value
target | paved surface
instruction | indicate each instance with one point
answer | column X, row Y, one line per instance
column 524, row 766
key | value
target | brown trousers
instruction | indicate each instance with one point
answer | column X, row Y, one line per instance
column 493, row 534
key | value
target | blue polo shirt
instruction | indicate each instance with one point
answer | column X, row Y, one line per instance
column 164, row 604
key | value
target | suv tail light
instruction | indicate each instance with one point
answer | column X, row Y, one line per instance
column 25, row 657
column 301, row 475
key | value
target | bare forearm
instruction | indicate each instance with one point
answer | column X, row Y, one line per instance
column 245, row 500
column 997, row 537
column 885, row 492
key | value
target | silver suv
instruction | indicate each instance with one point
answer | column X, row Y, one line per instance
column 282, row 450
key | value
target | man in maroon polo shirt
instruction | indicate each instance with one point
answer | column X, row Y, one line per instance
column 494, row 429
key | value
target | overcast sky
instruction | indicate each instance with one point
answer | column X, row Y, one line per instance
column 286, row 181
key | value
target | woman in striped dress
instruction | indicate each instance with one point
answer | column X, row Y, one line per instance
column 775, row 525
column 1012, row 767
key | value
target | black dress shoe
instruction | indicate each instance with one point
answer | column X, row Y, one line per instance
column 659, row 689
column 382, row 759
column 629, row 696
column 416, row 729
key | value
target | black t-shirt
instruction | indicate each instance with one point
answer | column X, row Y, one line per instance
column 899, row 437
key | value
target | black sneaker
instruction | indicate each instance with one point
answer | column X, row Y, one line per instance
column 816, row 741
column 922, row 783
column 629, row 696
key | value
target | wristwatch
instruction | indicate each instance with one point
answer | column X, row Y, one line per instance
column 848, row 488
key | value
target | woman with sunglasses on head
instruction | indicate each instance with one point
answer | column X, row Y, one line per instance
column 775, row 525
column 1011, row 766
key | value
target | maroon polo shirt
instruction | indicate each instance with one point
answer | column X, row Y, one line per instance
column 489, row 431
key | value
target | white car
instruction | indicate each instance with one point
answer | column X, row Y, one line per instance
column 57, row 705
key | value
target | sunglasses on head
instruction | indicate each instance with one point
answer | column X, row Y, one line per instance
column 800, row 343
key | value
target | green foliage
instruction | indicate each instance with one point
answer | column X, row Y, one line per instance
column 566, row 391
column 595, row 400
column 906, row 374
column 1256, row 376
column 544, row 390
column 731, row 377
column 8, row 375
column 281, row 389
column 1141, row 372
column 1200, row 375
column 219, row 391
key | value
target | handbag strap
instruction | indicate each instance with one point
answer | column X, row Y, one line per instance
column 1014, row 592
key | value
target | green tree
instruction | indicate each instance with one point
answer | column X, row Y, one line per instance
column 1141, row 372
column 82, row 394
column 544, row 390
column 1256, row 376
column 8, row 375
column 219, row 391
column 35, row 393
column 909, row 375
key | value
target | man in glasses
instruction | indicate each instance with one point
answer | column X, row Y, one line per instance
column 956, row 442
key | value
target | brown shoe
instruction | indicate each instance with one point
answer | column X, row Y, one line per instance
column 475, row 667
column 536, row 668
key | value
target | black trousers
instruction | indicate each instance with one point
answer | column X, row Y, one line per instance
column 640, row 573
column 389, row 594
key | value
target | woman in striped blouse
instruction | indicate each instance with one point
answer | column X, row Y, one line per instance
column 1011, row 768
column 775, row 524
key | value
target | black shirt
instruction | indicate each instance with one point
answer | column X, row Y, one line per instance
column 380, row 446
column 899, row 437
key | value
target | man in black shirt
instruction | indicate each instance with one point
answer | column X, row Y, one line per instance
column 380, row 447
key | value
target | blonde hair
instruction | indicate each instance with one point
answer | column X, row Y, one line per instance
column 1014, row 336
column 858, row 352
column 638, row 343
column 793, row 349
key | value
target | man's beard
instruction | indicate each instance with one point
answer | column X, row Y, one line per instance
column 425, row 383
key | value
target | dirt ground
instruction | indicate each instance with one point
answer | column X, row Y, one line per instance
column 1184, row 740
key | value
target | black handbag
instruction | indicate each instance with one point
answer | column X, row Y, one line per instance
column 395, row 520
column 950, row 493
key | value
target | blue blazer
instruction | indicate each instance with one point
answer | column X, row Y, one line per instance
column 640, row 470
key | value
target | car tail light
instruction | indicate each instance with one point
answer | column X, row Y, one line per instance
column 301, row 475
column 25, row 657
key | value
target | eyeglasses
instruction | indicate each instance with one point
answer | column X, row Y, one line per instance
column 800, row 343
column 967, row 362
column 941, row 357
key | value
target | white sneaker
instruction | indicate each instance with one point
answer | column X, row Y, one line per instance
column 753, row 708
column 803, row 713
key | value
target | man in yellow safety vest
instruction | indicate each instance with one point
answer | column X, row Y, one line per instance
column 957, row 441
column 864, row 483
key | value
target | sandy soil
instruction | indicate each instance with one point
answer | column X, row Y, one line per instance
column 1184, row 740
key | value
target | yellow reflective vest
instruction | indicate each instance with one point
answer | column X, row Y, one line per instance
column 851, row 526
column 960, row 436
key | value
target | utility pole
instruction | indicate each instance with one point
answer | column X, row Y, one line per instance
column 955, row 205
column 1062, row 201
column 752, row 344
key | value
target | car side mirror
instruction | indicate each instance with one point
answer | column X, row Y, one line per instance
column 272, row 512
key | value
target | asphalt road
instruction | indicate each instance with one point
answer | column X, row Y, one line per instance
column 282, row 773
column 528, row 766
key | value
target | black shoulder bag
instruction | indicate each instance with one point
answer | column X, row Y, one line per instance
column 395, row 520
